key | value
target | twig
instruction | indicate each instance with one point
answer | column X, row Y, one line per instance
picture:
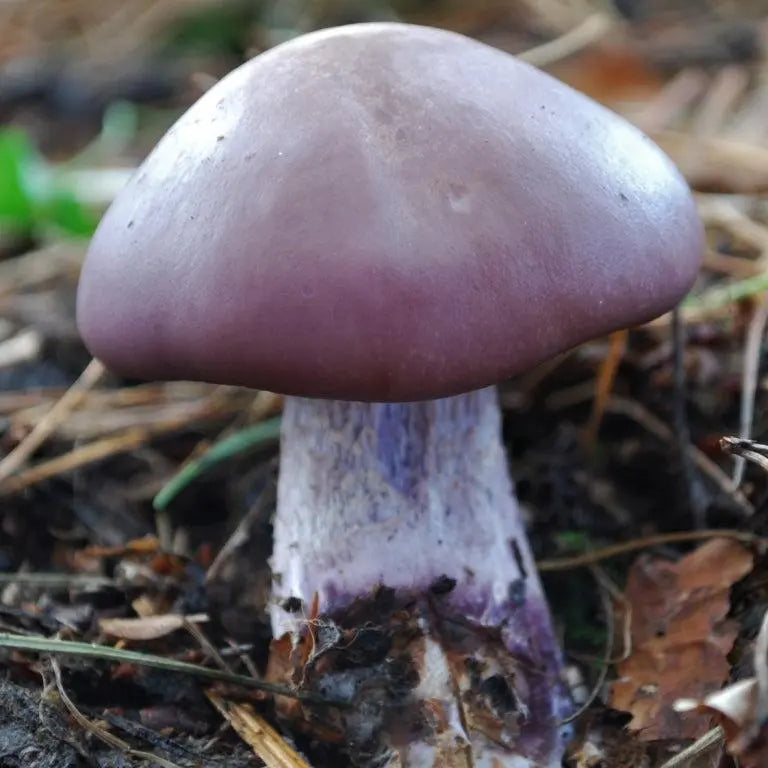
column 101, row 733
column 623, row 548
column 604, row 384
column 105, row 653
column 47, row 425
column 31, row 269
column 737, row 267
column 30, row 407
column 704, row 744
column 761, row 673
column 757, row 453
column 724, row 214
column 714, row 164
column 626, row 631
column 727, row 87
column 98, row 450
column 643, row 416
column 696, row 495
column 207, row 645
column 588, row 32
column 255, row 731
column 749, row 377
column 605, row 597
column 242, row 653
column 94, row 421
column 674, row 98
column 265, row 741
column 80, row 457
column 639, row 413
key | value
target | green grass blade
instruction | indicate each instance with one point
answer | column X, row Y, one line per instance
column 261, row 434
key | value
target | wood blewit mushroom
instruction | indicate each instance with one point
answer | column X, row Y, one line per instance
column 382, row 221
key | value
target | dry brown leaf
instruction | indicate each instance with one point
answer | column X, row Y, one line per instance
column 680, row 637
column 255, row 731
column 148, row 627
column 734, row 706
column 734, row 709
column 741, row 709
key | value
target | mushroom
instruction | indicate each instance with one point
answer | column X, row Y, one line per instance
column 383, row 221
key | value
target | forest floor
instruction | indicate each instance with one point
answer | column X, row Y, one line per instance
column 650, row 535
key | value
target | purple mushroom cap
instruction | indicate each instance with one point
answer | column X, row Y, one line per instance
column 384, row 212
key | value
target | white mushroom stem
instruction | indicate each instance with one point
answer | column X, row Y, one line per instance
column 417, row 497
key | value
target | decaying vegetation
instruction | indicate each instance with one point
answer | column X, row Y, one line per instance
column 135, row 524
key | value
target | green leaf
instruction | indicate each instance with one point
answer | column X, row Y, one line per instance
column 572, row 541
column 31, row 195
column 16, row 157
column 65, row 212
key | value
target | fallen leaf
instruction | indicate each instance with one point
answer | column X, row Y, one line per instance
column 741, row 709
column 148, row 627
column 734, row 709
column 680, row 637
column 733, row 706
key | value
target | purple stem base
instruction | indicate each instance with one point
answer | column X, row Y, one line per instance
column 416, row 497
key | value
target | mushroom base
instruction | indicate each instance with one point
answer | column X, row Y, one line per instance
column 406, row 510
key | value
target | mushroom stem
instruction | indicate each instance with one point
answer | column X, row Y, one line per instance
column 402, row 517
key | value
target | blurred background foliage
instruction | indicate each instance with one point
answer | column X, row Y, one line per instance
column 93, row 85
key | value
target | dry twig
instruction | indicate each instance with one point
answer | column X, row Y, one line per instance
column 685, row 759
column 696, row 495
column 129, row 440
column 639, row 413
column 752, row 349
column 255, row 731
column 102, row 733
column 604, row 384
column 68, row 402
column 593, row 29
column 605, row 598
column 625, row 547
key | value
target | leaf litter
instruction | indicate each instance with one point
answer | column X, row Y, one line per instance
column 85, row 556
column 680, row 636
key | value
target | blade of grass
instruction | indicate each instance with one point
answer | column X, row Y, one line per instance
column 258, row 435
column 105, row 653
column 724, row 295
